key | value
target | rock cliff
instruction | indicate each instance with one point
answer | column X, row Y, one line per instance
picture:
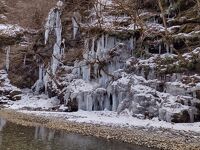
column 135, row 57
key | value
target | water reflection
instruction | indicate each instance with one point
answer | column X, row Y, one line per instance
column 2, row 123
column 44, row 134
column 17, row 137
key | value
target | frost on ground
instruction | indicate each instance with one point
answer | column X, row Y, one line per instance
column 30, row 101
column 111, row 118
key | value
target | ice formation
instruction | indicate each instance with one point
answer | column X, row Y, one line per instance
column 24, row 62
column 7, row 58
column 97, row 71
column 53, row 25
column 39, row 85
column 57, row 50
column 111, row 77
column 75, row 26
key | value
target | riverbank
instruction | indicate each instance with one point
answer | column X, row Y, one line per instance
column 160, row 138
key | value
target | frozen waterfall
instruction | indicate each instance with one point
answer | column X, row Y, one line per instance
column 103, row 56
column 54, row 24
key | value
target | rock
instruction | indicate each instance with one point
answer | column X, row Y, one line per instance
column 14, row 93
column 72, row 105
column 198, row 94
column 16, row 97
column 182, row 117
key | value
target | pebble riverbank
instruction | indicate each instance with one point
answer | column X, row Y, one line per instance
column 156, row 138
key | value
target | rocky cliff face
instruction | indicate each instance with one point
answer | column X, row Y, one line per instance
column 20, row 23
column 140, row 58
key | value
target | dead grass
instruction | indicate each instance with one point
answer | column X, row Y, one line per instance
column 28, row 13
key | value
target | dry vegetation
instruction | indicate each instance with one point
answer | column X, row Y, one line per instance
column 28, row 13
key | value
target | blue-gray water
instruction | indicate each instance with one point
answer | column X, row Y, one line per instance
column 18, row 137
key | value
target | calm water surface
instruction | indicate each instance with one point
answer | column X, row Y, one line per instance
column 18, row 137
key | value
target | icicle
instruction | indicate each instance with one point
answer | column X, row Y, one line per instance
column 50, row 24
column 58, row 28
column 41, row 75
column 171, row 48
column 167, row 48
column 86, row 48
column 107, row 105
column 106, row 41
column 191, row 114
column 75, row 27
column 62, row 47
column 103, row 41
column 103, row 45
column 131, row 42
column 46, row 80
column 55, row 59
column 98, row 48
column 57, row 55
column 111, row 42
column 92, row 48
column 86, row 72
column 134, row 43
column 114, row 107
column 7, row 58
column 24, row 60
column 89, row 102
column 86, row 44
column 40, row 82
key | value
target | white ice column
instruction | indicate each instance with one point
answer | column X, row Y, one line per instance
column 75, row 27
column 115, row 102
column 7, row 58
column 57, row 55
column 50, row 24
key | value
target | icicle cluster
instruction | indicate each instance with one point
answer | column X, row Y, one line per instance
column 99, row 50
column 54, row 25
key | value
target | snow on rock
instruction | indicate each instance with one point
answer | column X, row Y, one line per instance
column 110, row 78
column 31, row 102
column 8, row 91
column 10, row 30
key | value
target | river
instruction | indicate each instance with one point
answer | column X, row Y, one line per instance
column 18, row 137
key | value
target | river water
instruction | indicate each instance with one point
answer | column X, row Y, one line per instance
column 18, row 137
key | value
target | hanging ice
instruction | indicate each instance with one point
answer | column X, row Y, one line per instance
column 39, row 85
column 24, row 59
column 75, row 27
column 50, row 24
column 7, row 58
column 54, row 23
column 62, row 47
column 46, row 79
